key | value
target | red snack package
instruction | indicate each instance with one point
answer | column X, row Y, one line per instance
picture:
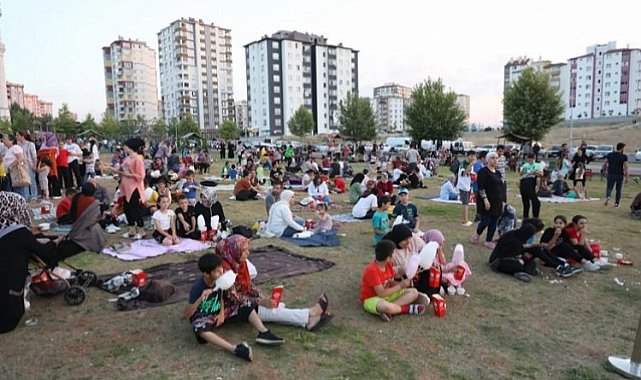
column 277, row 294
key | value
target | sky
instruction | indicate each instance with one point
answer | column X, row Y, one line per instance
column 54, row 47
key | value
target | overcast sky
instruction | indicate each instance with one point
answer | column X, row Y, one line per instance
column 54, row 47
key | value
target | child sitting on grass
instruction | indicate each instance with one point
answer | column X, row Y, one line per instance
column 165, row 223
column 206, row 311
column 186, row 219
column 324, row 219
column 380, row 294
column 380, row 220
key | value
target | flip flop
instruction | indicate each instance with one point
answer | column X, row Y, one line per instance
column 323, row 301
column 326, row 317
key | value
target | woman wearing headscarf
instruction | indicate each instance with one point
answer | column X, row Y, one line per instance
column 355, row 188
column 132, row 187
column 18, row 244
column 490, row 201
column 209, row 206
column 510, row 257
column 234, row 251
column 281, row 220
column 453, row 273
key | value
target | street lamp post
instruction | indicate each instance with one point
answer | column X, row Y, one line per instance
column 571, row 125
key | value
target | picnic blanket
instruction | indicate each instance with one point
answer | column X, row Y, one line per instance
column 346, row 218
column 143, row 249
column 271, row 263
column 318, row 239
column 435, row 198
column 557, row 199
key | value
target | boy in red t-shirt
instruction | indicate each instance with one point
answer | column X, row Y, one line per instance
column 65, row 204
column 339, row 184
column 380, row 294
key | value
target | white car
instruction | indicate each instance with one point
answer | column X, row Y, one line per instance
column 603, row 150
column 490, row 148
column 637, row 155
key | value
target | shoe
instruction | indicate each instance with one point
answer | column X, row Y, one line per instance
column 591, row 267
column 460, row 291
column 606, row 201
column 138, row 236
column 133, row 293
column 113, row 226
column 326, row 317
column 126, row 235
column 474, row 239
column 564, row 271
column 416, row 309
column 268, row 338
column 110, row 229
column 523, row 276
column 385, row 317
column 575, row 270
column 489, row 244
column 468, row 223
column 243, row 351
column 451, row 290
column 617, row 205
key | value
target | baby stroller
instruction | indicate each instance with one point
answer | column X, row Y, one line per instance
column 85, row 235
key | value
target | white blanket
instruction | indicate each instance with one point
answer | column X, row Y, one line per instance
column 142, row 249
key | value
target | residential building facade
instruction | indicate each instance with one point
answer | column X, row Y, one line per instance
column 388, row 104
column 196, row 79
column 463, row 101
column 241, row 117
column 15, row 94
column 290, row 69
column 130, row 80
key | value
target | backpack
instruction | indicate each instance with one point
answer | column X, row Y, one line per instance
column 507, row 220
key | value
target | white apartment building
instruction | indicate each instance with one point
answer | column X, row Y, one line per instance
column 130, row 80
column 195, row 63
column 463, row 101
column 388, row 104
column 291, row 69
column 241, row 116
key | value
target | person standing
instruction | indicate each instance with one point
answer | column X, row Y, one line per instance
column 412, row 156
column 75, row 153
column 530, row 171
column 49, row 149
column 616, row 165
column 30, row 160
column 490, row 203
column 11, row 160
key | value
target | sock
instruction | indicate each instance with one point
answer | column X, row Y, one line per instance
column 405, row 309
column 412, row 309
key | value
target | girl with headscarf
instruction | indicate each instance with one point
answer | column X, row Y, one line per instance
column 453, row 272
column 407, row 245
column 281, row 220
column 209, row 206
column 511, row 257
column 18, row 244
column 234, row 251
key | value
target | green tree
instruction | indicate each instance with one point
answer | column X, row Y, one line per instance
column 109, row 126
column 64, row 123
column 531, row 106
column 187, row 125
column 89, row 123
column 21, row 118
column 356, row 120
column 228, row 130
column 43, row 123
column 433, row 113
column 301, row 123
column 5, row 126
column 159, row 129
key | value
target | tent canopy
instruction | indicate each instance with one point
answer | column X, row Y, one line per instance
column 514, row 138
column 191, row 135
column 90, row 132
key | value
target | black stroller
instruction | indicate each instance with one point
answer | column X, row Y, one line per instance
column 85, row 235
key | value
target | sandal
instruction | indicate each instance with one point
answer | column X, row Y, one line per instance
column 326, row 317
column 323, row 302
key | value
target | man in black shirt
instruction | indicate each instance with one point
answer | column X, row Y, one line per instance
column 616, row 165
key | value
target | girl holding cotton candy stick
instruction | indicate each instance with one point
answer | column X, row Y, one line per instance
column 455, row 271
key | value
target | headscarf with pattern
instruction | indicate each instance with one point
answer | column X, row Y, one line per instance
column 50, row 141
column 208, row 196
column 13, row 210
column 230, row 250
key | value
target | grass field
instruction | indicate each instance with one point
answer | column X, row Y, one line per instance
column 505, row 330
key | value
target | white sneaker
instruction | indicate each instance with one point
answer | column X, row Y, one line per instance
column 138, row 236
column 126, row 235
column 114, row 227
column 460, row 291
column 591, row 267
column 451, row 290
column 110, row 229
column 468, row 223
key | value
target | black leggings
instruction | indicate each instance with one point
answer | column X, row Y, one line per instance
column 74, row 167
column 133, row 210
column 245, row 195
column 548, row 258
column 369, row 215
column 572, row 252
column 512, row 265
column 528, row 195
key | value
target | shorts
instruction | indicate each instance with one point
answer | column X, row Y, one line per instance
column 465, row 197
column 160, row 237
column 370, row 304
column 202, row 324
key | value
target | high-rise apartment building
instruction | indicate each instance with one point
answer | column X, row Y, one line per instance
column 196, row 72
column 291, row 69
column 130, row 80
column 37, row 106
column 241, row 116
column 15, row 94
column 463, row 101
column 389, row 104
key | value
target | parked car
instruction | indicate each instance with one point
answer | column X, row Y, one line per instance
column 603, row 150
column 589, row 150
column 486, row 148
column 637, row 155
column 554, row 151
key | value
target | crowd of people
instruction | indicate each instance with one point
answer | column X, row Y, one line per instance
column 152, row 178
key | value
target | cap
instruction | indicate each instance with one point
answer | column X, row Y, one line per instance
column 403, row 191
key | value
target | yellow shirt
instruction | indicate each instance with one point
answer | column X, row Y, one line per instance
column 153, row 200
column 3, row 173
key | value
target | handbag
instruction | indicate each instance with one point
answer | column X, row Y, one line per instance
column 20, row 176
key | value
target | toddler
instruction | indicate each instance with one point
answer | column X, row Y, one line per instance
column 324, row 219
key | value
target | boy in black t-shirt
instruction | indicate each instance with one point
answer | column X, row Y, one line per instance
column 616, row 165
column 206, row 311
column 186, row 219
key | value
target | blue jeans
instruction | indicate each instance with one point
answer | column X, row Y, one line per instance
column 488, row 221
column 33, row 188
column 23, row 191
column 614, row 180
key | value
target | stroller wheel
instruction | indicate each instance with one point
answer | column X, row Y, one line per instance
column 88, row 277
column 75, row 295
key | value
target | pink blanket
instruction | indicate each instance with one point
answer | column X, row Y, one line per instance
column 143, row 249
